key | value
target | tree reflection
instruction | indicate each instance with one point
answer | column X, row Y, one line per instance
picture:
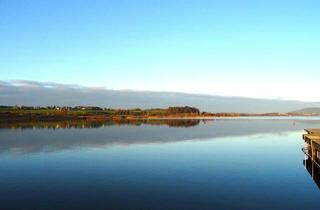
column 98, row 123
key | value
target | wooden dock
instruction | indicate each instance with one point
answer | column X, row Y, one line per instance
column 313, row 131
column 312, row 151
column 312, row 138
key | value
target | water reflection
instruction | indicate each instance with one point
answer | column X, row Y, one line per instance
column 98, row 123
column 34, row 137
column 217, row 164
column 313, row 168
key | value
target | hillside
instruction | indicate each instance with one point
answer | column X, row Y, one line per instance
column 307, row 111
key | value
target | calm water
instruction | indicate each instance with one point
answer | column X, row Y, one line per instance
column 214, row 164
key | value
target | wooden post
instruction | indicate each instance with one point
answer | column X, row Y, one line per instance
column 313, row 150
column 309, row 147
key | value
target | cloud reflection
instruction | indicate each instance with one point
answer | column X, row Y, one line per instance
column 35, row 138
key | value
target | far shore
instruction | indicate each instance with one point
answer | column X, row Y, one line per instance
column 56, row 113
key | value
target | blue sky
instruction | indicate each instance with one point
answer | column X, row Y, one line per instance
column 262, row 49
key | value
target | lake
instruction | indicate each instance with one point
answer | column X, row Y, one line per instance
column 243, row 163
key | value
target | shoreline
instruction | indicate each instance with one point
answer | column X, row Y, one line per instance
column 27, row 118
column 91, row 113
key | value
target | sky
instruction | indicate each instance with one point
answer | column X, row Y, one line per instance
column 260, row 49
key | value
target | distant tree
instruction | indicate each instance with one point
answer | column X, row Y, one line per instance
column 183, row 110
